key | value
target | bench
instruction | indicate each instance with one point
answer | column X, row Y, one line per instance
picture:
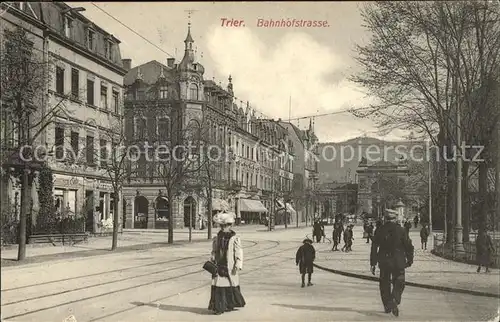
column 55, row 239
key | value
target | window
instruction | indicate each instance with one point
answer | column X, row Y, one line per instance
column 193, row 92
column 103, row 145
column 59, row 143
column 142, row 127
column 90, row 150
column 67, row 25
column 58, row 199
column 115, row 103
column 163, row 129
column 108, row 46
column 75, row 83
column 90, row 92
column 60, row 80
column 75, row 144
column 163, row 92
column 90, row 39
column 104, row 96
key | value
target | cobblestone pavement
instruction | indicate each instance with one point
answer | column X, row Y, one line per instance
column 426, row 269
column 168, row 284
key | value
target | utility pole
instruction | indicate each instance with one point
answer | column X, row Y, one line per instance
column 430, row 199
column 497, row 180
column 459, row 247
column 273, row 183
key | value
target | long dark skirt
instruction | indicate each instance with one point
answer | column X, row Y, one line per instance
column 223, row 299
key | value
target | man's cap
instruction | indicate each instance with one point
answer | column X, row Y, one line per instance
column 307, row 240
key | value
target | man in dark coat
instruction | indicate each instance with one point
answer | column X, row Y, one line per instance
column 484, row 249
column 415, row 221
column 317, row 231
column 424, row 236
column 338, row 229
column 407, row 227
column 392, row 250
column 306, row 254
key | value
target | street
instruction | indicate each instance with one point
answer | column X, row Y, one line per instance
column 168, row 284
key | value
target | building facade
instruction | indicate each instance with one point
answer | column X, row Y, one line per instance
column 86, row 87
column 161, row 102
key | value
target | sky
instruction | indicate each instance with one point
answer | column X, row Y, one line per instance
column 282, row 72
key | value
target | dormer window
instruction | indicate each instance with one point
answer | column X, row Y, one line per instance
column 90, row 39
column 108, row 46
column 67, row 26
column 163, row 92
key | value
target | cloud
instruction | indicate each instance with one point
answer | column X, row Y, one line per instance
column 297, row 65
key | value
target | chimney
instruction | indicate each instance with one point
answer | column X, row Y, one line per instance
column 170, row 62
column 127, row 64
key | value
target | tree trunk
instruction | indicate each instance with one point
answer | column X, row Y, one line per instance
column 209, row 214
column 170, row 217
column 497, row 180
column 465, row 202
column 114, row 243
column 21, row 251
column 483, row 195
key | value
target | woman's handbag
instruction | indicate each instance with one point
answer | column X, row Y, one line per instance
column 210, row 267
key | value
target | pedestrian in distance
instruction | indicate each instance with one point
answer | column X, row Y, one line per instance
column 317, row 231
column 348, row 238
column 392, row 250
column 484, row 249
column 306, row 254
column 415, row 221
column 227, row 254
column 407, row 226
column 424, row 236
column 338, row 229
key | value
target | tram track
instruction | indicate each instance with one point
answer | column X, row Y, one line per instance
column 255, row 243
column 277, row 243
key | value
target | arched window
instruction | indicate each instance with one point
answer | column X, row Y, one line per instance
column 193, row 92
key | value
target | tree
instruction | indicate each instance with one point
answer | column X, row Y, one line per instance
column 25, row 75
column 424, row 63
column 114, row 159
column 179, row 160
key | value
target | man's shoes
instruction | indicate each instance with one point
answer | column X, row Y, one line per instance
column 309, row 284
column 395, row 310
column 218, row 313
column 303, row 285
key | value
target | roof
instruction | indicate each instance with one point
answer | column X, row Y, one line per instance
column 150, row 72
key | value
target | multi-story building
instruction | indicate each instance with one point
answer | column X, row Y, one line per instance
column 304, row 170
column 161, row 101
column 87, row 80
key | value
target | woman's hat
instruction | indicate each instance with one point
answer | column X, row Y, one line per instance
column 307, row 240
column 224, row 218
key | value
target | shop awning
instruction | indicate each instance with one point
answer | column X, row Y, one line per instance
column 248, row 205
column 219, row 204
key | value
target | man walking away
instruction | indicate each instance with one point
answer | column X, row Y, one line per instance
column 304, row 259
column 338, row 228
column 415, row 221
column 392, row 250
column 424, row 236
column 484, row 249
column 317, row 233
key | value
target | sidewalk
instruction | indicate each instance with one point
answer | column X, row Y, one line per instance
column 429, row 270
column 96, row 246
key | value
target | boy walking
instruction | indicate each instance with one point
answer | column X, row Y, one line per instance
column 304, row 258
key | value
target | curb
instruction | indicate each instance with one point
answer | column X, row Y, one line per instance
column 426, row 286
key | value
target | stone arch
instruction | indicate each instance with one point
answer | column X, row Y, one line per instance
column 189, row 211
column 141, row 212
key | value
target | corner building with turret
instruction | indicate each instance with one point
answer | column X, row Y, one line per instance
column 162, row 101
